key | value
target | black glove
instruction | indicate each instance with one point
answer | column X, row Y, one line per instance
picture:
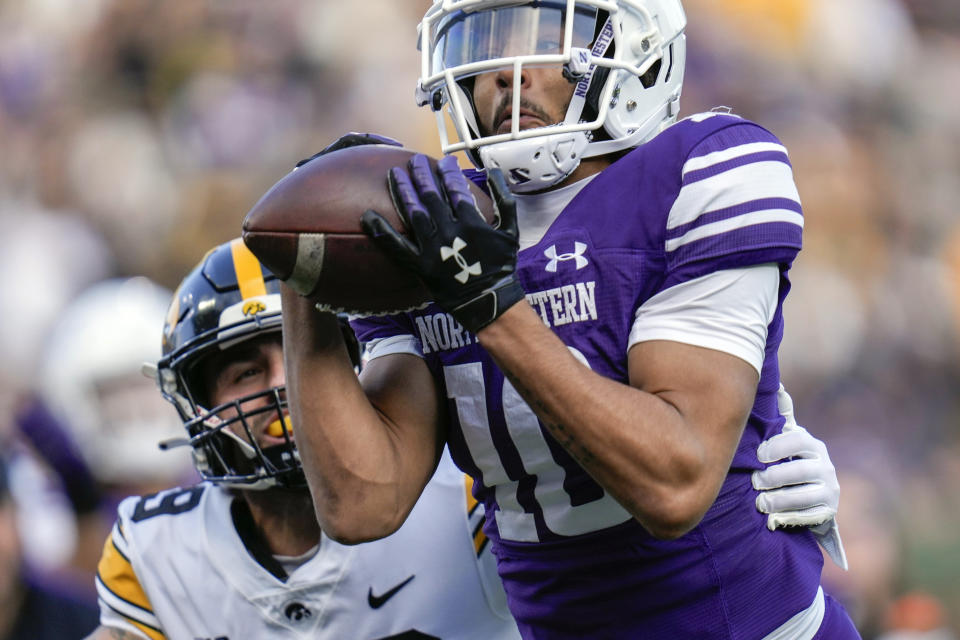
column 352, row 140
column 466, row 264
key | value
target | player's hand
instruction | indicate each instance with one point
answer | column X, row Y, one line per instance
column 802, row 490
column 352, row 139
column 467, row 264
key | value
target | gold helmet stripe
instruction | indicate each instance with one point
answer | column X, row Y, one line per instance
column 249, row 274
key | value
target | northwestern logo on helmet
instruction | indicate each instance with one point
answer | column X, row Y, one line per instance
column 599, row 48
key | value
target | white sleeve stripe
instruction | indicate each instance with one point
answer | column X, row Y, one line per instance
column 731, row 224
column 703, row 115
column 120, row 542
column 716, row 157
column 126, row 608
column 746, row 183
column 803, row 625
column 728, row 311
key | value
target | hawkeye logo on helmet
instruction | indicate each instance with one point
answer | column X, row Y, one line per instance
column 242, row 313
column 253, row 307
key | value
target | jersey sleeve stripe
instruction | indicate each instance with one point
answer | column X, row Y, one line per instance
column 703, row 174
column 143, row 618
column 722, row 156
column 756, row 243
column 754, row 181
column 118, row 577
column 732, row 224
column 119, row 545
column 119, row 540
column 754, row 206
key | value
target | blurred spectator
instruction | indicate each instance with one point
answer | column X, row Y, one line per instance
column 31, row 609
column 91, row 380
column 91, row 384
column 916, row 616
column 51, row 484
column 45, row 259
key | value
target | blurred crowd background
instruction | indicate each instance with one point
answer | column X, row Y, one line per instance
column 136, row 134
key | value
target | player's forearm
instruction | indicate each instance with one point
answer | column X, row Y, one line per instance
column 352, row 460
column 639, row 447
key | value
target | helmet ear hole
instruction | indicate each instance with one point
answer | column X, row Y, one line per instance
column 649, row 78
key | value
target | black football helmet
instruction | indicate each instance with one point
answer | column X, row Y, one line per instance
column 227, row 299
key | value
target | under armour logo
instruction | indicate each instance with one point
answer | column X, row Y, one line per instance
column 296, row 611
column 579, row 248
column 465, row 270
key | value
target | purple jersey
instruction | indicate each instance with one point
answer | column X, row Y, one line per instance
column 709, row 193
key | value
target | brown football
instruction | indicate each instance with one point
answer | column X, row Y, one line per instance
column 306, row 230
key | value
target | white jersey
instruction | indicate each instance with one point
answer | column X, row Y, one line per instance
column 175, row 567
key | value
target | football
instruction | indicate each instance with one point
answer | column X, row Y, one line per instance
column 306, row 230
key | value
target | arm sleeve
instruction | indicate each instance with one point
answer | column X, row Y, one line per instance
column 379, row 347
column 385, row 335
column 727, row 310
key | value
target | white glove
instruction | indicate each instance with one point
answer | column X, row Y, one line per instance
column 803, row 491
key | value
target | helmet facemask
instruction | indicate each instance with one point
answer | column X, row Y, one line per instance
column 224, row 438
column 225, row 442
column 603, row 48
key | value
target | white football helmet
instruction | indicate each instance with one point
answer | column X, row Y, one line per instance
column 624, row 59
column 91, row 379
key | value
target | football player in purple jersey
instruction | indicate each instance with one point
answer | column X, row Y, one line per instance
column 603, row 361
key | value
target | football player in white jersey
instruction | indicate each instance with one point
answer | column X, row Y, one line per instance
column 241, row 555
